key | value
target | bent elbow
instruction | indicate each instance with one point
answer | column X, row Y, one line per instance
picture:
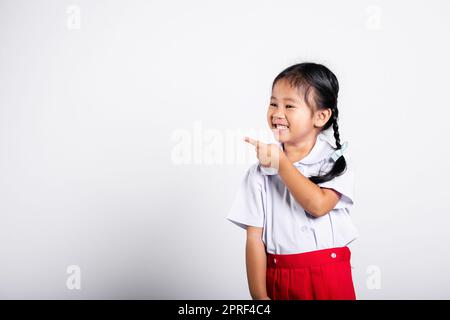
column 318, row 212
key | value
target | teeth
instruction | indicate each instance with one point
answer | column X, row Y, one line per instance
column 280, row 126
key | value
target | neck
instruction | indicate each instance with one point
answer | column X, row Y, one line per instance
column 296, row 151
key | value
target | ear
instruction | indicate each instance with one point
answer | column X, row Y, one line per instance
column 321, row 117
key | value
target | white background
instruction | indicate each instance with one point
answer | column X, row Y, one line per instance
column 89, row 112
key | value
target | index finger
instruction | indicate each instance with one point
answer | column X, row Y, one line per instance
column 251, row 141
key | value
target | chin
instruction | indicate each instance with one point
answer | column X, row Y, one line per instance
column 283, row 137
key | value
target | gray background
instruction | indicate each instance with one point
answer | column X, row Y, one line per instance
column 89, row 118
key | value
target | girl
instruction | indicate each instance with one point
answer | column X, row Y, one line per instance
column 294, row 202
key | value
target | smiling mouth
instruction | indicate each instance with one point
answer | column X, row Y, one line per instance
column 280, row 127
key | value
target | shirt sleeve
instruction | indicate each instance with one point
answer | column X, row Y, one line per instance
column 247, row 208
column 344, row 184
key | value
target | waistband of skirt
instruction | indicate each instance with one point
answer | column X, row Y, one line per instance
column 311, row 258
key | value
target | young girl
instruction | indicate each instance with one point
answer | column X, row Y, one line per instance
column 295, row 201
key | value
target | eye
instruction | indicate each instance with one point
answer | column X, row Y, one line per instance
column 273, row 104
column 289, row 106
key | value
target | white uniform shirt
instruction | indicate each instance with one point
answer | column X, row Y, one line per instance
column 263, row 200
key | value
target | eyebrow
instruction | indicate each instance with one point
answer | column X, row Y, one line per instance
column 285, row 99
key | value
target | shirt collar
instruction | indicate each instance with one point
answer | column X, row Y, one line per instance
column 322, row 149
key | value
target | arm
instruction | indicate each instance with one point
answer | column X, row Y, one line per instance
column 256, row 261
column 315, row 200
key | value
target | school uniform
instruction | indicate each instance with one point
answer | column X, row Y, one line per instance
column 307, row 256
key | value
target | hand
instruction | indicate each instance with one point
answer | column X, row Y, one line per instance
column 269, row 155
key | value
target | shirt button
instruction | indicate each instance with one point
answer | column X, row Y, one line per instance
column 274, row 260
column 333, row 255
column 304, row 228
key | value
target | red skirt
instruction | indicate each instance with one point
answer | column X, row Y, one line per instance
column 316, row 275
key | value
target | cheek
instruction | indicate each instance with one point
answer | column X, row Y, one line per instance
column 295, row 118
column 299, row 120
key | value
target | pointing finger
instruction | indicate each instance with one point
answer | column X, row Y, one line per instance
column 251, row 141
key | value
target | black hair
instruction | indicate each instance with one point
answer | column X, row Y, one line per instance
column 325, row 88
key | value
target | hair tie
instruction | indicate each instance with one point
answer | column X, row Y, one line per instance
column 338, row 153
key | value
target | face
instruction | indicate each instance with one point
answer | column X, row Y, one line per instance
column 289, row 117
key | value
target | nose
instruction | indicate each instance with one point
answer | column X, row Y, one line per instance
column 278, row 114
